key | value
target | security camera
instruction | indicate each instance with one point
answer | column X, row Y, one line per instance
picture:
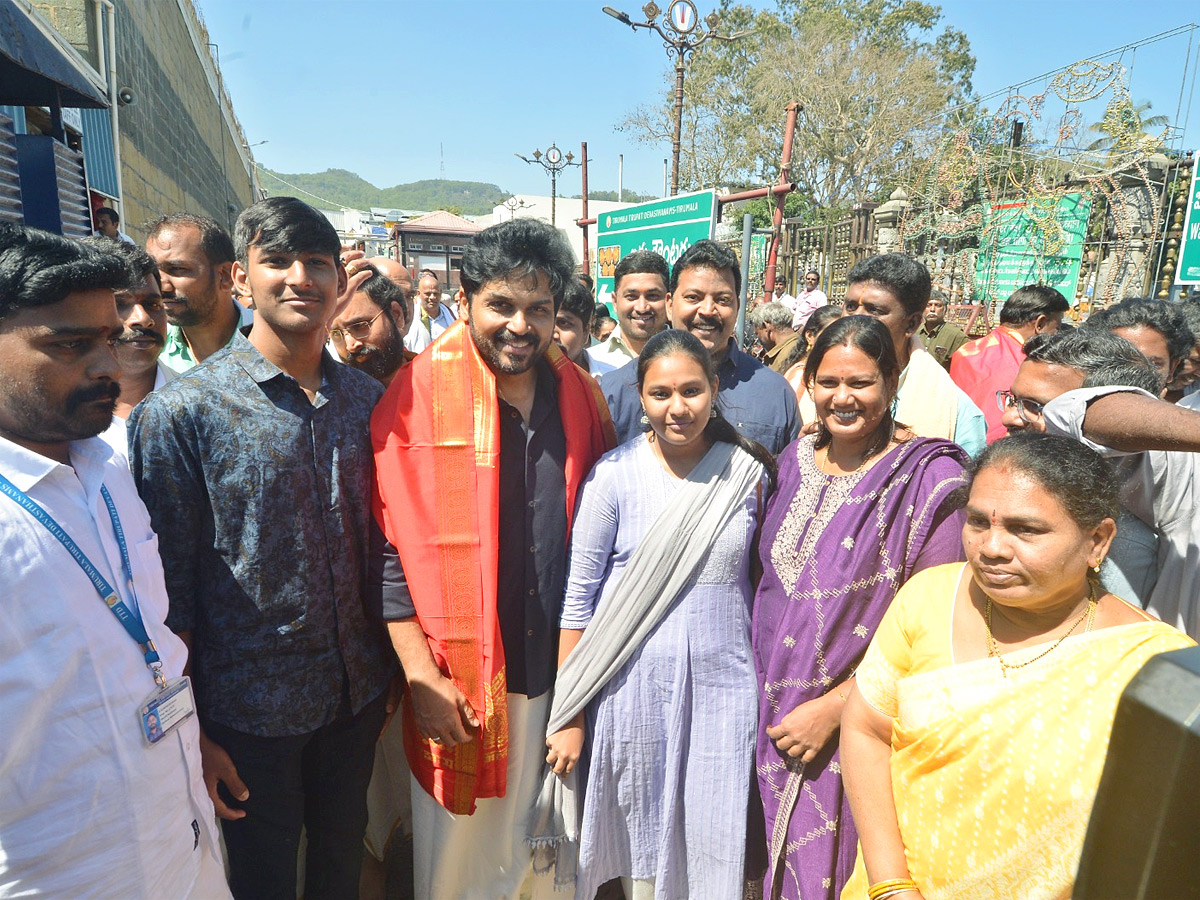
column 126, row 97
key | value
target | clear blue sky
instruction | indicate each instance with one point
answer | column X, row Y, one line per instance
column 391, row 89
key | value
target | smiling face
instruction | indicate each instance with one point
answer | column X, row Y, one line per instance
column 145, row 319
column 512, row 322
column 1023, row 547
column 705, row 303
column 58, row 371
column 851, row 395
column 677, row 397
column 640, row 303
column 292, row 292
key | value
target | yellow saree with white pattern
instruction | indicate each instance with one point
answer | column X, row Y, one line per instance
column 993, row 772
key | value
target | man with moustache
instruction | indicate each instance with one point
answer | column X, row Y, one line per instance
column 368, row 333
column 432, row 315
column 195, row 263
column 704, row 300
column 940, row 337
column 257, row 472
column 895, row 289
column 494, row 427
column 140, row 307
column 78, row 550
column 640, row 299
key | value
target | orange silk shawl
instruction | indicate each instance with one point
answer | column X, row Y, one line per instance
column 436, row 437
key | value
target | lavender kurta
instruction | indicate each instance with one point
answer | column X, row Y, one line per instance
column 671, row 736
column 834, row 550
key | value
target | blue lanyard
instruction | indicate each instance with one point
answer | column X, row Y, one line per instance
column 130, row 619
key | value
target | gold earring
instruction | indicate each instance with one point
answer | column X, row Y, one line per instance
column 1096, row 567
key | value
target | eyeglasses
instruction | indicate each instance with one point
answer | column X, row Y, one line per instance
column 360, row 331
column 1028, row 410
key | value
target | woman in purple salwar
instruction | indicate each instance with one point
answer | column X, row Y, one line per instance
column 861, row 505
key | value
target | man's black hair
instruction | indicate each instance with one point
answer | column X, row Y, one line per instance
column 284, row 225
column 905, row 278
column 518, row 249
column 110, row 212
column 38, row 268
column 1027, row 303
column 1156, row 315
column 578, row 300
column 137, row 261
column 1103, row 358
column 214, row 240
column 641, row 262
column 708, row 255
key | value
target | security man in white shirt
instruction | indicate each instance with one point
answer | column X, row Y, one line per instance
column 101, row 790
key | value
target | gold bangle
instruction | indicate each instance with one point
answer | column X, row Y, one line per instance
column 837, row 689
column 882, row 889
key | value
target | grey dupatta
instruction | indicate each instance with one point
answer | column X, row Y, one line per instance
column 659, row 571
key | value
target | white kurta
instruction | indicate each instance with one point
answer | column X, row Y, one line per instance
column 87, row 809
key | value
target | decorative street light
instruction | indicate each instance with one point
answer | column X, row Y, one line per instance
column 512, row 204
column 553, row 161
column 683, row 36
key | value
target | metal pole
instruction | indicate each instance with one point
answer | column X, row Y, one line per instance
column 678, row 122
column 785, row 163
column 620, row 177
column 664, row 193
column 553, row 195
column 584, row 210
column 747, row 235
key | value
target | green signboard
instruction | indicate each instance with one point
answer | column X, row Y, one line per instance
column 668, row 227
column 1188, row 271
column 1032, row 241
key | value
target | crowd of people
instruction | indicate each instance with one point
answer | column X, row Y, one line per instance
column 304, row 549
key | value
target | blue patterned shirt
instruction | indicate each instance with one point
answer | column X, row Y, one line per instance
column 262, row 503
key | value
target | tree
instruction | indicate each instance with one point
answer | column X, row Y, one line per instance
column 1124, row 128
column 873, row 83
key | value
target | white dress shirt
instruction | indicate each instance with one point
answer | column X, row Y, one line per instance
column 87, row 808
column 609, row 354
column 1163, row 490
column 117, row 434
column 421, row 336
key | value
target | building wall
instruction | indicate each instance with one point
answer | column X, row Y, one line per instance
column 180, row 153
column 181, row 147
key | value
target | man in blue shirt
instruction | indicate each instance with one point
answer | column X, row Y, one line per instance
column 257, row 471
column 704, row 300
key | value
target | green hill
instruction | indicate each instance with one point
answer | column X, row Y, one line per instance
column 338, row 188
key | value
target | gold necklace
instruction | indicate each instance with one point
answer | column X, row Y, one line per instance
column 856, row 471
column 994, row 652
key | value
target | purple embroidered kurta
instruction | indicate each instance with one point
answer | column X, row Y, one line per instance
column 834, row 550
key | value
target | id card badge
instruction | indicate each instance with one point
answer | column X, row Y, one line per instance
column 165, row 710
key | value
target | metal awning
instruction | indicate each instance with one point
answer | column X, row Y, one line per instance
column 34, row 72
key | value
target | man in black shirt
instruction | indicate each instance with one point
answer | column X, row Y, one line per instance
column 481, row 445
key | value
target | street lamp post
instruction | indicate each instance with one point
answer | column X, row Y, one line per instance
column 512, row 204
column 553, row 161
column 682, row 36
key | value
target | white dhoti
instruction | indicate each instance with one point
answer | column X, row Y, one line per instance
column 484, row 856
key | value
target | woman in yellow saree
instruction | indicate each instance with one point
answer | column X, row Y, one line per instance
column 973, row 742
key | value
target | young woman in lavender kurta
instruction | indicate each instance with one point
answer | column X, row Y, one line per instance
column 670, row 736
column 861, row 505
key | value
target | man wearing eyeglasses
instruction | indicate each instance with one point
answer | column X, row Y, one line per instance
column 369, row 332
column 1096, row 387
